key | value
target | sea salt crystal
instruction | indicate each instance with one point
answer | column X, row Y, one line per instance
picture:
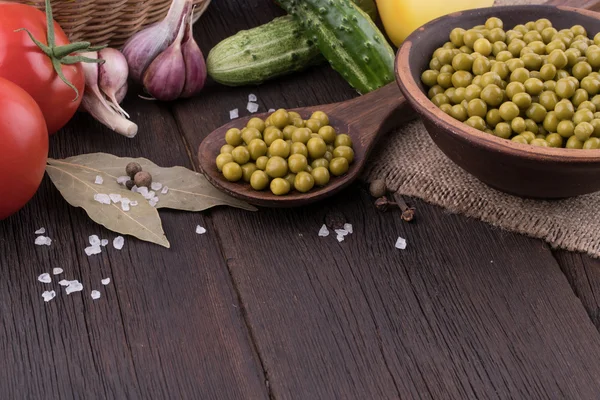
column 119, row 242
column 40, row 231
column 125, row 206
column 252, row 97
column 134, row 189
column 104, row 242
column 43, row 241
column 164, row 190
column 150, row 195
column 348, row 227
column 115, row 198
column 91, row 250
column 64, row 282
column 156, row 186
column 57, row 271
column 94, row 240
column 99, row 180
column 324, row 232
column 200, row 230
column 143, row 191
column 102, row 198
column 133, row 203
column 252, row 107
column 95, row 294
column 48, row 295
column 340, row 238
column 74, row 286
column 45, row 278
column 401, row 243
column 233, row 114
column 122, row 180
column 341, row 232
column 153, row 202
column 105, row 281
column 272, row 110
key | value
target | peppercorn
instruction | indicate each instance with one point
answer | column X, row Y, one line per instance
column 378, row 188
column 133, row 168
column 143, row 178
column 129, row 184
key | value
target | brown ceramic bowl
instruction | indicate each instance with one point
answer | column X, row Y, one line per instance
column 511, row 167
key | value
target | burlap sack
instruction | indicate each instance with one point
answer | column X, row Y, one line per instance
column 411, row 164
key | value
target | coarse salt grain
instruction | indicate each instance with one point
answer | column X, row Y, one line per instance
column 40, row 231
column 133, row 203
column 74, row 286
column 272, row 110
column 105, row 281
column 104, row 242
column 341, row 232
column 164, row 190
column 94, row 240
column 99, row 180
column 150, row 195
column 102, row 198
column 95, row 294
column 57, row 271
column 401, row 243
column 115, row 198
column 252, row 107
column 122, row 180
column 119, row 242
column 324, row 232
column 125, row 206
column 43, row 241
column 45, row 278
column 348, row 227
column 48, row 295
column 134, row 189
column 200, row 230
column 340, row 238
column 156, row 186
column 64, row 282
column 143, row 191
column 153, row 202
column 252, row 97
column 91, row 250
column 233, row 114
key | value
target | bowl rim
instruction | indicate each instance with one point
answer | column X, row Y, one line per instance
column 421, row 103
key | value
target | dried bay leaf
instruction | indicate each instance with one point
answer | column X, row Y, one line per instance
column 76, row 184
column 188, row 190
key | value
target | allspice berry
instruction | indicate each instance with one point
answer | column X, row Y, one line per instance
column 132, row 168
column 143, row 178
column 129, row 184
column 378, row 188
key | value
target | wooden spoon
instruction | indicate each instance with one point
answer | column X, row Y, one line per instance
column 364, row 118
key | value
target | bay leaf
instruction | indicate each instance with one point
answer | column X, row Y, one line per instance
column 76, row 183
column 188, row 190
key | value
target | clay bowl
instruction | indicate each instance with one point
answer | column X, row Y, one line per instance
column 511, row 167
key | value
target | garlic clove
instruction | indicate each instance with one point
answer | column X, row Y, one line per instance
column 143, row 47
column 107, row 116
column 90, row 72
column 165, row 77
column 112, row 75
column 195, row 66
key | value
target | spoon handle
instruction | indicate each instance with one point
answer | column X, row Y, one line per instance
column 374, row 114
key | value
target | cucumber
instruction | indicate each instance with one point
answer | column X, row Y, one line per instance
column 348, row 39
column 265, row 52
column 271, row 50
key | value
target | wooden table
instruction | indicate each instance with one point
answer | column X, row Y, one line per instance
column 260, row 307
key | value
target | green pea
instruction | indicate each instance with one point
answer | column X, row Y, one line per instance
column 476, row 122
column 548, row 72
column 519, row 75
column 509, row 111
column 534, row 86
column 456, row 37
column 461, row 79
column 581, row 70
column 435, row 64
column 481, row 65
column 587, row 105
column 466, row 50
column 447, row 69
column 584, row 115
column 499, row 45
column 477, row 107
column 514, row 64
column 532, row 36
column 459, row 112
column 492, row 95
column 529, row 136
column 539, row 143
column 493, row 117
column 490, row 78
column 573, row 56
column 564, row 109
column 566, row 128
column 551, row 122
column 574, row 143
column 548, row 100
column 538, row 47
column 590, row 85
column 463, row 62
column 471, row 36
column 593, row 56
column 583, row 131
column 514, row 88
column 565, row 88
column 516, row 46
column 518, row 125
column 512, row 35
column 592, row 144
column 558, row 58
column 494, row 22
column 554, row 140
column 519, row 139
column 555, row 45
column 580, row 45
column 536, row 112
column 596, row 124
column 532, row 126
column 472, row 92
column 561, row 74
column 550, row 85
column 504, row 55
column 578, row 30
column 503, row 130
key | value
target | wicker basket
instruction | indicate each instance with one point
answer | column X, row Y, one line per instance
column 109, row 22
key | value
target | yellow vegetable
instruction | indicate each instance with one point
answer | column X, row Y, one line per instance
column 401, row 17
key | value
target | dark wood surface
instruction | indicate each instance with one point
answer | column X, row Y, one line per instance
column 261, row 307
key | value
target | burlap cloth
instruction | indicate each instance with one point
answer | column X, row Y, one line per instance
column 411, row 164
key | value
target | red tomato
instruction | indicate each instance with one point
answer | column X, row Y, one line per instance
column 23, row 147
column 23, row 63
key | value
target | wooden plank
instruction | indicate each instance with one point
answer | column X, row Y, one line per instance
column 169, row 324
column 465, row 312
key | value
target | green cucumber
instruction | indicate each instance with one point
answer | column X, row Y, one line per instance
column 348, row 39
column 265, row 52
column 268, row 51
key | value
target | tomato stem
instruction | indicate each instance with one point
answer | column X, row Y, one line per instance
column 61, row 55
